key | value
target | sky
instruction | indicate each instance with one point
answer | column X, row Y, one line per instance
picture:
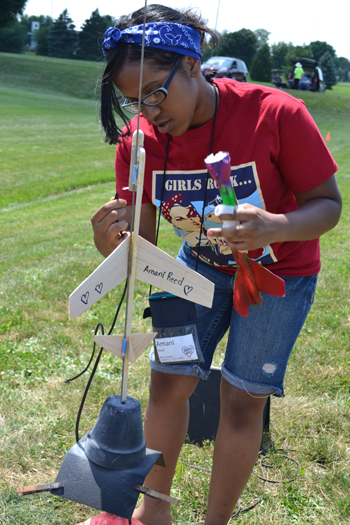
column 298, row 22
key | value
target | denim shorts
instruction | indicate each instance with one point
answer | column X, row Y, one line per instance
column 259, row 346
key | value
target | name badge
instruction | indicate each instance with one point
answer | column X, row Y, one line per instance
column 176, row 349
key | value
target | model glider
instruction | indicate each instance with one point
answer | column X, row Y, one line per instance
column 136, row 258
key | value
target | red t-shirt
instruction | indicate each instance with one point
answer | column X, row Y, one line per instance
column 276, row 150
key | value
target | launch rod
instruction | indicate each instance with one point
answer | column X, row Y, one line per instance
column 140, row 171
column 137, row 171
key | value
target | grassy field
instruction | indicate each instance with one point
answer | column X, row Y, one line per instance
column 55, row 172
column 77, row 78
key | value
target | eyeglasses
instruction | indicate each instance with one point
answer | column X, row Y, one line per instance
column 156, row 97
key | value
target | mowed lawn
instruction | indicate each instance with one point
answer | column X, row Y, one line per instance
column 55, row 172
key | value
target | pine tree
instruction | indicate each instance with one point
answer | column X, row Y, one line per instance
column 63, row 37
column 260, row 69
column 241, row 44
column 90, row 37
column 328, row 70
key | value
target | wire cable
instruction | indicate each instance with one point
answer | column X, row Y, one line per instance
column 262, row 477
column 98, row 326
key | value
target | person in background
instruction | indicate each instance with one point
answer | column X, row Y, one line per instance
column 298, row 71
column 277, row 81
column 304, row 82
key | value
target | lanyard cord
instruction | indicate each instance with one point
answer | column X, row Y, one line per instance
column 163, row 185
column 206, row 183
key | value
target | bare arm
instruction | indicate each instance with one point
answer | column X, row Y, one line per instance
column 319, row 211
column 113, row 218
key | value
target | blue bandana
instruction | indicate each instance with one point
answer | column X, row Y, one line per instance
column 161, row 35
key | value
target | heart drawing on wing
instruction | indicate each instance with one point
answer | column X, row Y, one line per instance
column 188, row 350
column 85, row 298
column 99, row 287
column 187, row 289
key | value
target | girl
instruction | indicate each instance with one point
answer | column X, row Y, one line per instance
column 283, row 175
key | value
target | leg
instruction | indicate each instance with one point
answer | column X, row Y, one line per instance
column 257, row 353
column 166, row 424
column 236, row 449
column 167, row 413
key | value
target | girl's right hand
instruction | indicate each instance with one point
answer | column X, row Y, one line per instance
column 109, row 225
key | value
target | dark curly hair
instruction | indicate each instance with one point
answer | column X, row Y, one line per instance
column 160, row 60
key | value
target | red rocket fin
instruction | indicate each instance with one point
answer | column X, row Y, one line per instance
column 251, row 279
column 241, row 297
column 267, row 281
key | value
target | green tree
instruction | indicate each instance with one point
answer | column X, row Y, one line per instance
column 42, row 41
column 91, row 36
column 62, row 37
column 9, row 11
column 26, row 22
column 279, row 53
column 320, row 48
column 207, row 51
column 41, row 36
column 328, row 69
column 13, row 37
column 342, row 69
column 262, row 37
column 303, row 51
column 239, row 44
column 260, row 69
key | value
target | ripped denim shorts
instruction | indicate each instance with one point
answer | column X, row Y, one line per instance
column 259, row 346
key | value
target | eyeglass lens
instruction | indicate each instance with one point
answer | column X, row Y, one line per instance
column 156, row 97
column 153, row 99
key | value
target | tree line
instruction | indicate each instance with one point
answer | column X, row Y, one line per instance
column 59, row 38
column 56, row 38
column 262, row 58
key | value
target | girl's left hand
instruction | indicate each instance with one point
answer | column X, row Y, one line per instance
column 255, row 228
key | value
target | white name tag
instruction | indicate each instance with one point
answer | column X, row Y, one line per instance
column 175, row 349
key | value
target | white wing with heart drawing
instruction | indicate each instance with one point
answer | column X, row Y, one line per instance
column 153, row 266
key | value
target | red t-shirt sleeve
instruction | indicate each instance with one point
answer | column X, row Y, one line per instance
column 304, row 159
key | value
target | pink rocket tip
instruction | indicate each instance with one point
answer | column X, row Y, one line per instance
column 219, row 166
